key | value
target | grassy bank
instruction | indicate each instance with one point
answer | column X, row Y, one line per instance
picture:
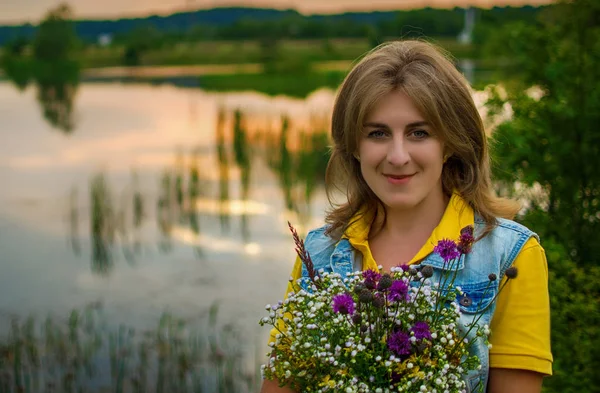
column 240, row 52
column 299, row 85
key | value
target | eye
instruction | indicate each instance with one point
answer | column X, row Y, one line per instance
column 377, row 134
column 419, row 134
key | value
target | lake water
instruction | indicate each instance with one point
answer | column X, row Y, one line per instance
column 158, row 199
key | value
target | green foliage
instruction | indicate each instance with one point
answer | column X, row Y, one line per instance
column 55, row 38
column 16, row 46
column 140, row 41
column 552, row 138
column 551, row 149
column 575, row 305
column 17, row 69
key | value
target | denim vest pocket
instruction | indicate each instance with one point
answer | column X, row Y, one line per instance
column 476, row 297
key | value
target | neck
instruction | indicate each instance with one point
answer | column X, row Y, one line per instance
column 421, row 219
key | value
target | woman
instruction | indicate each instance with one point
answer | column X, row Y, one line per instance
column 411, row 155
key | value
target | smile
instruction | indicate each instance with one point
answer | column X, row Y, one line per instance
column 398, row 179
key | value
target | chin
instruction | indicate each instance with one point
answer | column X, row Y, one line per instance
column 399, row 204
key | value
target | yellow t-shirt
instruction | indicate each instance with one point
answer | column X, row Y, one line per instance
column 520, row 326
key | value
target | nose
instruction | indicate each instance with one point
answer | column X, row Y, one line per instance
column 398, row 154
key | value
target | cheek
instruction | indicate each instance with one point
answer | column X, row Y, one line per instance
column 371, row 154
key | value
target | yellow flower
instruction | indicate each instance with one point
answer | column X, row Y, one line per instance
column 327, row 381
column 417, row 373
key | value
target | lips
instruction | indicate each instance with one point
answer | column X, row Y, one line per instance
column 398, row 180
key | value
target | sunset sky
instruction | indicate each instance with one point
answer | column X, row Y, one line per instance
column 16, row 11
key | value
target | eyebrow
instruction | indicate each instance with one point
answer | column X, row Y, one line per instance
column 382, row 125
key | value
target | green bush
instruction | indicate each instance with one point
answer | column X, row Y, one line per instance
column 575, row 307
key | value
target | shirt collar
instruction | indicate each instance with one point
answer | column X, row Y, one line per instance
column 458, row 214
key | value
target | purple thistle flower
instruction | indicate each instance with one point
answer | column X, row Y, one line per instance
column 421, row 330
column 465, row 242
column 371, row 275
column 399, row 291
column 343, row 304
column 447, row 250
column 399, row 343
column 369, row 283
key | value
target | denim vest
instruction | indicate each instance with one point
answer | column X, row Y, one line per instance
column 493, row 254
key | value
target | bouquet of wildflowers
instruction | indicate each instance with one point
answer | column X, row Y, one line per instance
column 374, row 332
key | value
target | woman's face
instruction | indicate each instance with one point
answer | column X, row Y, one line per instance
column 401, row 157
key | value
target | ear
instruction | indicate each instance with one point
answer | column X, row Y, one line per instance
column 356, row 156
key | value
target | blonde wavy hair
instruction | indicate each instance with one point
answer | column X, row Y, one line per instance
column 426, row 74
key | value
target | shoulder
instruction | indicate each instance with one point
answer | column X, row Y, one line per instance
column 507, row 240
column 513, row 226
column 508, row 228
column 317, row 240
column 317, row 232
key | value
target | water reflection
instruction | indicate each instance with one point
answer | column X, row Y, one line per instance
column 178, row 194
column 111, row 222
column 56, row 93
column 195, row 191
column 74, row 240
column 242, row 151
column 223, row 164
column 158, row 214
column 102, row 229
column 296, row 155
column 300, row 169
column 82, row 353
column 56, row 85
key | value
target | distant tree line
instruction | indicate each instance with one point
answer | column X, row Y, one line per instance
column 251, row 24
